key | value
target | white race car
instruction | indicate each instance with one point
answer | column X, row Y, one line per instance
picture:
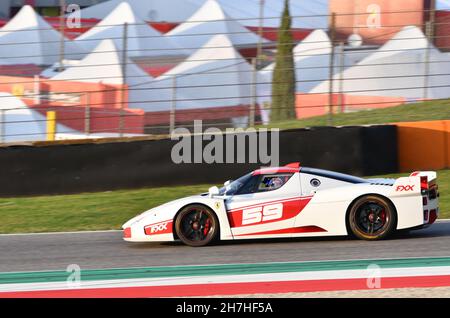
column 292, row 201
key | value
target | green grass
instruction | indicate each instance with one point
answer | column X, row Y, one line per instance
column 109, row 210
column 87, row 211
column 433, row 110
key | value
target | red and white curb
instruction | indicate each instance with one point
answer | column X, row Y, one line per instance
column 239, row 284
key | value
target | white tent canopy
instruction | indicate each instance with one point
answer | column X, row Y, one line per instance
column 142, row 39
column 211, row 77
column 398, row 69
column 306, row 14
column 21, row 123
column 159, row 96
column 159, row 10
column 409, row 39
column 104, row 65
column 312, row 65
column 55, row 69
column 28, row 37
column 208, row 21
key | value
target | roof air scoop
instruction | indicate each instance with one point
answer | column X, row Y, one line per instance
column 295, row 165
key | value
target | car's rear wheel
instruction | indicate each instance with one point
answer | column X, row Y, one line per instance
column 197, row 225
column 372, row 218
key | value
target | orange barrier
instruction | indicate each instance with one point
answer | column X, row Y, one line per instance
column 423, row 145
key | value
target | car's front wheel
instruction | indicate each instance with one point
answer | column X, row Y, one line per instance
column 372, row 218
column 197, row 225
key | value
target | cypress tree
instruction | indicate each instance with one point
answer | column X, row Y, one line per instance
column 283, row 82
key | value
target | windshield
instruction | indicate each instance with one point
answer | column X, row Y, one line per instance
column 235, row 185
column 255, row 183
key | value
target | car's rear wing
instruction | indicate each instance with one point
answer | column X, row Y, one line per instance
column 423, row 182
column 430, row 176
column 428, row 183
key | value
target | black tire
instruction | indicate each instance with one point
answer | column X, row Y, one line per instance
column 197, row 225
column 372, row 218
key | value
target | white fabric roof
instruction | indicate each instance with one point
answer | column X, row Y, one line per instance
column 104, row 65
column 159, row 10
column 143, row 40
column 22, row 123
column 443, row 4
column 312, row 61
column 312, row 64
column 220, row 76
column 28, row 38
column 54, row 69
column 208, row 21
column 305, row 14
column 409, row 39
column 397, row 69
column 211, row 77
column 181, row 10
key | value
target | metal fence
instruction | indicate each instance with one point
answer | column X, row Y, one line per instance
column 225, row 88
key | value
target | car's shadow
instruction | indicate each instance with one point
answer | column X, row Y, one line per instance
column 432, row 232
column 141, row 245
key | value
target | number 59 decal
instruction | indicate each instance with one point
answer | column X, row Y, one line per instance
column 262, row 214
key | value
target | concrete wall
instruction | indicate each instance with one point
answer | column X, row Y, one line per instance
column 74, row 168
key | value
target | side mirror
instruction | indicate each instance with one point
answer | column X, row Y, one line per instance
column 213, row 191
column 227, row 183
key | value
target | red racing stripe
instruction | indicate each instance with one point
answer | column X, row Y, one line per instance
column 270, row 202
column 236, row 288
column 164, row 227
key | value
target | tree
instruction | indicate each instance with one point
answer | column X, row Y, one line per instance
column 283, row 82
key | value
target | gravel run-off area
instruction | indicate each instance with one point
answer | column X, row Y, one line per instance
column 435, row 292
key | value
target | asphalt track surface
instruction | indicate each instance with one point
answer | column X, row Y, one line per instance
column 96, row 250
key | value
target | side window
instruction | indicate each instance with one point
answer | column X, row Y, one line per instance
column 264, row 183
column 272, row 182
